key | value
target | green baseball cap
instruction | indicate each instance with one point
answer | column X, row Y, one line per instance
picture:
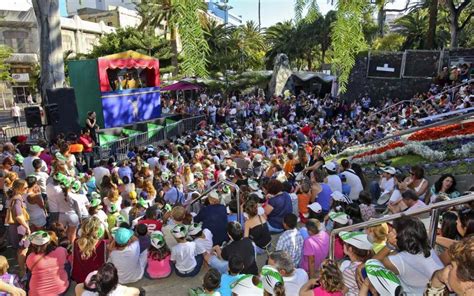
column 19, row 158
column 36, row 149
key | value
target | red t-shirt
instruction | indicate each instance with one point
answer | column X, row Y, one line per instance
column 81, row 268
column 306, row 130
column 152, row 225
column 86, row 141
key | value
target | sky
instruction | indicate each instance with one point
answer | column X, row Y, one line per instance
column 274, row 11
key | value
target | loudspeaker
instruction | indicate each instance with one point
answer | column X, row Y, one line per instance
column 33, row 116
column 62, row 110
column 52, row 113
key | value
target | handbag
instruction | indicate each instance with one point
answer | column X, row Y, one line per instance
column 10, row 218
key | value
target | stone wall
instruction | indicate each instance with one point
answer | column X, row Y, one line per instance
column 389, row 84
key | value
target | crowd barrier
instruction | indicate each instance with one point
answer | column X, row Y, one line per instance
column 34, row 134
column 120, row 148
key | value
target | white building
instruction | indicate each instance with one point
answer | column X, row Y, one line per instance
column 73, row 6
column 18, row 30
column 115, row 16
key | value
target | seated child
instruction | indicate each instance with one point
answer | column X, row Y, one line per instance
column 158, row 257
column 367, row 209
column 143, row 237
column 186, row 256
column 330, row 282
column 236, row 265
column 378, row 236
column 202, row 237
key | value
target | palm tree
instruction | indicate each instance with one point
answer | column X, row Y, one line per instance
column 183, row 18
column 301, row 5
column 414, row 27
column 324, row 27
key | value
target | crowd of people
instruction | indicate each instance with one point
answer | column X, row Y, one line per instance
column 104, row 224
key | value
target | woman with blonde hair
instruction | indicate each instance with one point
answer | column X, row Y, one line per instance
column 188, row 176
column 149, row 191
column 113, row 198
column 89, row 252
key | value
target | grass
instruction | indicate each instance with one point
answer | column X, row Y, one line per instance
column 410, row 159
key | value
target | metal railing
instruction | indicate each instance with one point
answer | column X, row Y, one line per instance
column 225, row 182
column 433, row 209
column 119, row 148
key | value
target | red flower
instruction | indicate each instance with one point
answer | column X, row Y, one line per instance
column 381, row 149
column 434, row 133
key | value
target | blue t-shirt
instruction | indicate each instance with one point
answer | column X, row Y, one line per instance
column 226, row 281
column 346, row 189
column 324, row 197
column 282, row 206
column 125, row 171
column 214, row 218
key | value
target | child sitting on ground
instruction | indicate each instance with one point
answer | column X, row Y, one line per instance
column 186, row 256
column 202, row 237
column 159, row 255
column 8, row 278
column 236, row 265
column 330, row 282
column 143, row 237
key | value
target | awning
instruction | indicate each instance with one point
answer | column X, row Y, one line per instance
column 181, row 86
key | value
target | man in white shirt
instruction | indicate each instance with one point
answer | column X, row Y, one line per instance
column 28, row 161
column 101, row 171
column 334, row 181
column 352, row 180
column 294, row 278
column 16, row 113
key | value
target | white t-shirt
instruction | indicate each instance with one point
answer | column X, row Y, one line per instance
column 82, row 203
column 294, row 283
column 415, row 271
column 205, row 243
column 335, row 183
column 387, row 185
column 108, row 204
column 153, row 162
column 28, row 165
column 183, row 254
column 54, row 193
column 41, row 178
column 99, row 173
column 354, row 181
column 129, row 262
column 396, row 196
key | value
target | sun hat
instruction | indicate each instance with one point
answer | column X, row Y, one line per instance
column 143, row 203
column 213, row 194
column 95, row 194
column 76, row 186
column 113, row 209
column 258, row 158
column 315, row 207
column 39, row 238
column 331, row 166
column 270, row 278
column 122, row 235
column 179, row 231
column 389, row 170
column 253, row 184
column 339, row 196
column 384, row 198
column 95, row 202
column 60, row 157
column 384, row 281
column 101, row 231
column 88, row 281
column 119, row 220
column 157, row 239
column 245, row 286
column 357, row 239
column 195, row 228
column 19, row 158
column 339, row 217
column 36, row 149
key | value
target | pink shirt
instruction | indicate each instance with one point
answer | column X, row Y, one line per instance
column 317, row 246
column 319, row 291
column 48, row 276
column 157, row 269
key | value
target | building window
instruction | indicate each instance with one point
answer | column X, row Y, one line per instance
column 17, row 40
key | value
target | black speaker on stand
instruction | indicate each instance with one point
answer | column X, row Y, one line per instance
column 62, row 110
column 33, row 116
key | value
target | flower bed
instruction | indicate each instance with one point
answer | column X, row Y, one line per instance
column 434, row 133
column 380, row 150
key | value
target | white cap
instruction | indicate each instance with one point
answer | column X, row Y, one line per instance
column 315, row 207
column 331, row 166
column 390, row 170
column 384, row 281
column 258, row 158
column 357, row 239
column 338, row 196
column 339, row 217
